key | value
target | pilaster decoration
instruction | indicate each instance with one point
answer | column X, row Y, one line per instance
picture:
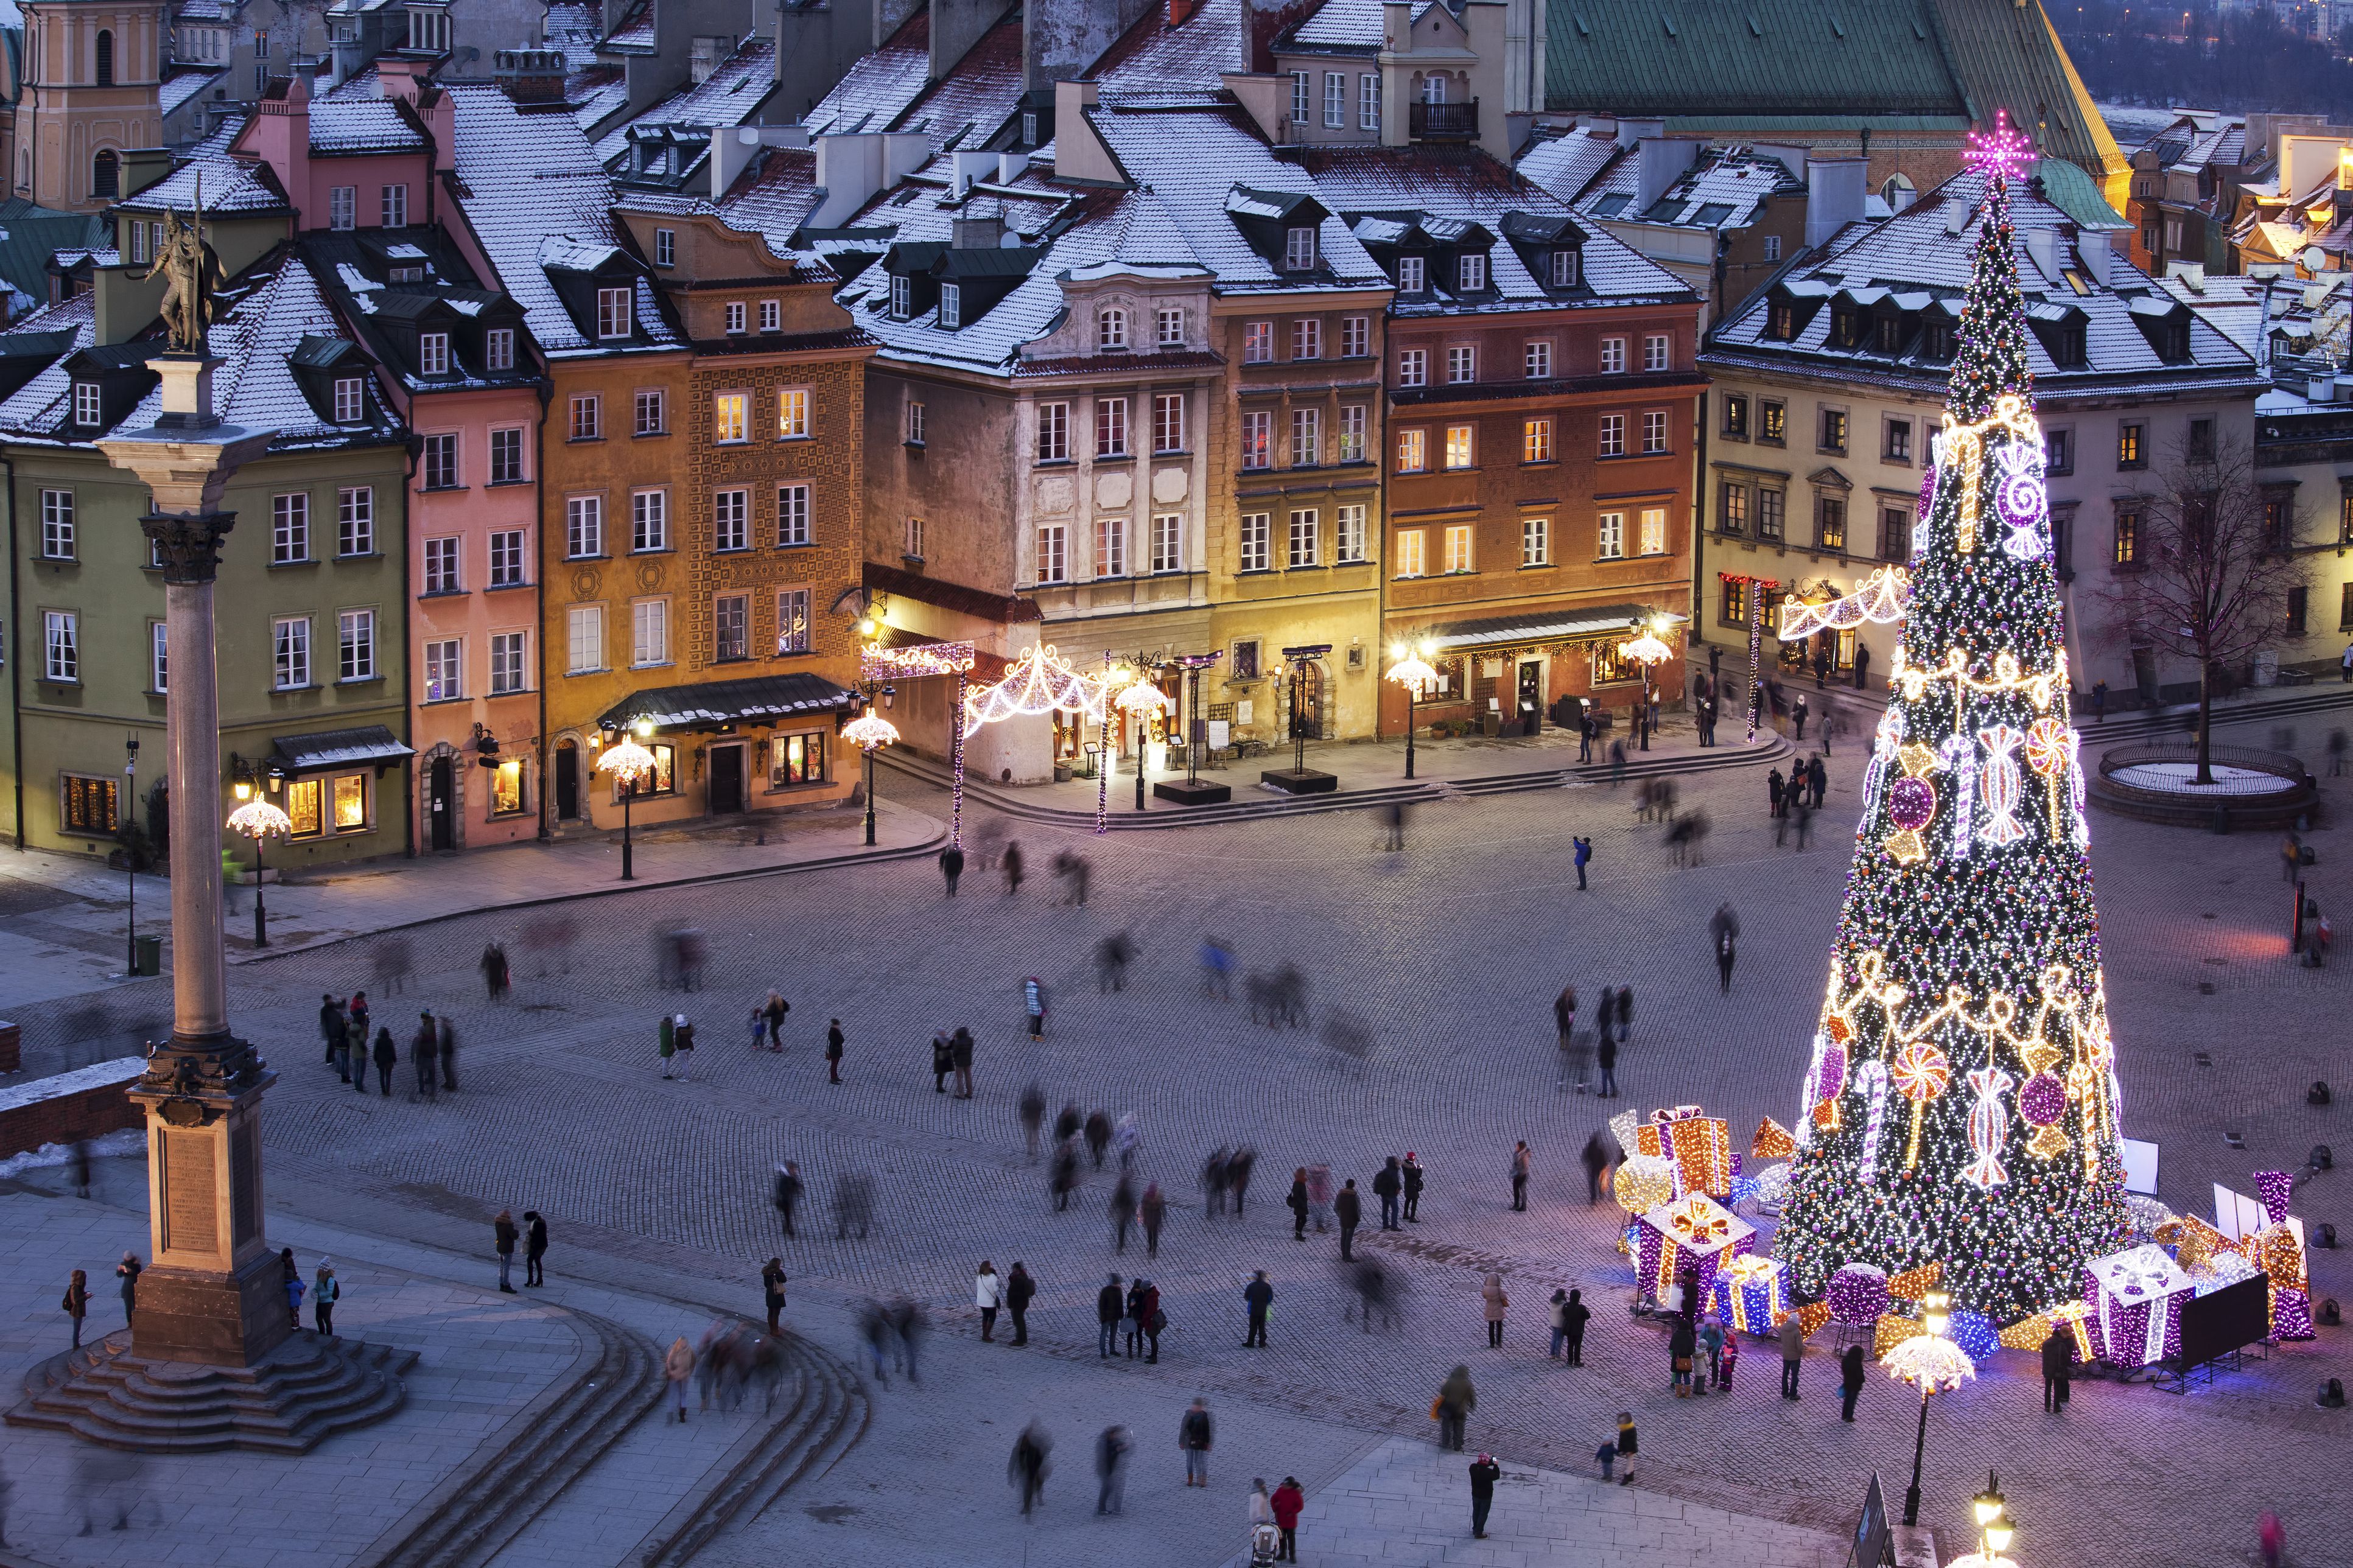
column 189, row 547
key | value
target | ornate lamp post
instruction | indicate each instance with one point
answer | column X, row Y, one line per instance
column 869, row 733
column 259, row 821
column 628, row 763
column 1648, row 650
column 1413, row 672
column 1137, row 701
column 1995, row 1530
column 1933, row 1365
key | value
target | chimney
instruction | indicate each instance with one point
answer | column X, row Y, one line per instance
column 1010, row 166
column 1834, row 189
column 279, row 135
column 2043, row 249
column 1179, row 11
column 733, row 147
column 1904, row 196
column 966, row 167
column 983, row 230
column 2098, row 247
column 852, row 169
column 1079, row 153
column 530, row 76
column 1630, row 131
column 1658, row 164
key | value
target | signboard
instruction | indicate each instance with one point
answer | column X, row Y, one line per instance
column 1220, row 733
column 1871, row 1538
column 2237, row 1216
column 2140, row 1166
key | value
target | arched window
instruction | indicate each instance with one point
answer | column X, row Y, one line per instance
column 105, row 175
column 105, row 58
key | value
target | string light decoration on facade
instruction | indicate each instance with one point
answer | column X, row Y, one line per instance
column 1966, row 974
column 1039, row 682
column 1878, row 598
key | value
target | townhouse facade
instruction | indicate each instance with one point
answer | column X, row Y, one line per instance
column 1829, row 388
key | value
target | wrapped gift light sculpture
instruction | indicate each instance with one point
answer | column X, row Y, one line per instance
column 1693, row 1236
column 1751, row 1294
column 2136, row 1296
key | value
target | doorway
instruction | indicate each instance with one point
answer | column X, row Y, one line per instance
column 567, row 781
column 1531, row 698
column 1307, row 702
column 442, row 803
column 726, row 780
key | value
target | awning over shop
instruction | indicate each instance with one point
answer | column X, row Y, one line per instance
column 714, row 702
column 1591, row 623
column 370, row 745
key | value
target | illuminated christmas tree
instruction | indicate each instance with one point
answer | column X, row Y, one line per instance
column 1961, row 1103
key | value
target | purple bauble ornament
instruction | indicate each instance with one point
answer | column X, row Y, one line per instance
column 1911, row 802
column 2044, row 1100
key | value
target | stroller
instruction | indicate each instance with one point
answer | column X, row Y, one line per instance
column 1265, row 1540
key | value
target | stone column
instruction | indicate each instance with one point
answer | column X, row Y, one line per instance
column 213, row 1293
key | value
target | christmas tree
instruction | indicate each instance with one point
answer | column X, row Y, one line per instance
column 1961, row 1102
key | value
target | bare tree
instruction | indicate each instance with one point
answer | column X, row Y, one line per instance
column 2212, row 569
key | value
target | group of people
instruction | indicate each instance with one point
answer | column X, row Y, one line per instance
column 1614, row 1025
column 432, row 1048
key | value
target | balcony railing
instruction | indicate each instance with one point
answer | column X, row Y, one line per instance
column 1445, row 122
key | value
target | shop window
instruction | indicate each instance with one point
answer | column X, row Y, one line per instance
column 88, row 804
column 506, row 788
column 800, row 760
column 306, row 808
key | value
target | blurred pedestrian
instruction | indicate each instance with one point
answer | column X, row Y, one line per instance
column 424, row 1054
column 1455, row 1402
column 1238, row 1166
column 1011, row 862
column 1393, row 818
column 1493, row 1304
column 1413, row 1175
column 960, row 1051
column 534, row 1247
column 1027, row 1470
column 952, row 867
column 1112, row 956
column 1851, row 1378
column 1217, row 970
column 332, row 1026
column 1605, row 1056
column 1123, row 1211
column 988, row 1295
column 786, row 1195
column 1349, row 1210
column 127, row 1271
column 77, row 1302
column 1597, row 1161
column 1522, row 1161
column 2270, row 1538
column 449, row 1055
column 1064, row 1178
column 1033, row 1116
column 1193, row 1434
column 1213, row 1184
column 774, row 1012
column 1154, row 1212
column 1485, row 1473
column 1319, row 1196
column 682, row 1038
column 1297, row 1203
column 1033, row 1006
column 874, row 1333
column 833, row 1041
column 325, row 1291
column 910, row 1324
column 1097, row 1130
column 1111, row 1451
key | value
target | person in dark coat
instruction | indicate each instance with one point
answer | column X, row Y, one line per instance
column 1852, row 1378
column 942, row 1062
column 1020, row 1290
column 448, row 1056
column 1388, row 1182
column 1296, row 1202
column 1259, row 1297
column 1485, row 1474
column 1154, row 1212
column 1097, row 1128
column 1348, row 1208
column 388, row 1056
column 1194, row 1433
column 1605, row 1056
column 1414, row 1175
column 1596, row 1161
column 2058, row 1370
column 1819, row 779
column 331, row 1026
column 787, row 1195
column 833, row 1039
column 960, row 1048
column 1028, row 1468
column 1774, row 790
column 1110, row 1306
column 425, row 1055
column 772, row 1290
column 503, row 1235
column 535, row 1246
column 1574, row 1314
column 952, row 867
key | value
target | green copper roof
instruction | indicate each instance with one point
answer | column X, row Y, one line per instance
column 1645, row 57
column 2066, row 186
column 2006, row 56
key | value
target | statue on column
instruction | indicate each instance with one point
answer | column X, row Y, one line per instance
column 191, row 274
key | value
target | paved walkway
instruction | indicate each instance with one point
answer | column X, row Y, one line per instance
column 63, row 917
column 1406, row 1501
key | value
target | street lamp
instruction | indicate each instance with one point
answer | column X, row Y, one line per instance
column 129, row 852
column 1648, row 650
column 259, row 821
column 1933, row 1364
column 1137, row 701
column 869, row 732
column 1995, row 1530
column 627, row 761
column 1413, row 672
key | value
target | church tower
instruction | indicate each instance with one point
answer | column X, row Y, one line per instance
column 91, row 68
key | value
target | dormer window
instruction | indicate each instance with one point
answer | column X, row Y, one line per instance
column 1564, row 268
column 2173, row 341
column 901, row 294
column 429, row 30
column 86, row 404
column 433, row 353
column 1846, row 329
column 351, row 404
column 498, row 347
column 1471, row 274
column 1781, row 321
column 951, row 306
column 1887, row 334
column 612, row 312
column 1111, row 332
column 408, row 272
column 1411, row 278
column 1298, row 250
column 1937, row 340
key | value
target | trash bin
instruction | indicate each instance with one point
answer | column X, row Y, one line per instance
column 146, row 955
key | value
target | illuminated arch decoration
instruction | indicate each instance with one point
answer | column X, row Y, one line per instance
column 1039, row 682
column 1879, row 597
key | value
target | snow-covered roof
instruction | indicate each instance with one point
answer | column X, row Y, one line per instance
column 185, row 83
column 2123, row 319
column 879, row 87
column 229, row 184
column 1156, row 61
column 971, row 102
column 352, row 119
column 1722, row 189
column 732, row 95
column 1565, row 165
column 38, row 405
column 1350, row 26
